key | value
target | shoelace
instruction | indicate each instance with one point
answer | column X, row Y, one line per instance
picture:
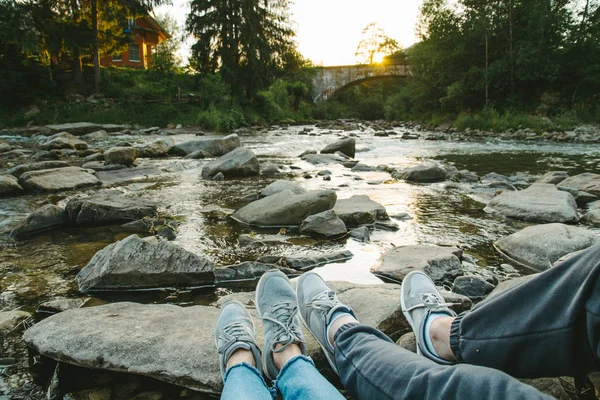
column 429, row 301
column 285, row 326
column 324, row 301
column 231, row 333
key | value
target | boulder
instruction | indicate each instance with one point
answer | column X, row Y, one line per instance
column 440, row 263
column 321, row 159
column 361, row 234
column 553, row 177
column 94, row 157
column 585, row 182
column 109, row 208
column 472, row 286
column 346, row 146
column 326, row 223
column 540, row 202
column 63, row 140
column 56, row 179
column 307, row 262
column 158, row 148
column 285, row 208
column 98, row 135
column 21, row 169
column 75, row 128
column 120, row 155
column 408, row 341
column 423, row 173
column 134, row 263
column 360, row 167
column 100, row 166
column 44, row 218
column 198, row 155
column 540, row 246
column 592, row 218
column 359, row 210
column 246, row 274
column 280, row 186
column 217, row 147
column 9, row 320
column 239, row 162
column 9, row 185
column 60, row 304
column 127, row 174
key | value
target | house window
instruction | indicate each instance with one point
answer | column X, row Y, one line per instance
column 134, row 53
column 116, row 57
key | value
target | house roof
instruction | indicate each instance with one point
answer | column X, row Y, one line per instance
column 155, row 26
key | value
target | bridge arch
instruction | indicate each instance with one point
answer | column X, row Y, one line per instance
column 330, row 79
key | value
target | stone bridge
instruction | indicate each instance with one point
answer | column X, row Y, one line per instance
column 331, row 79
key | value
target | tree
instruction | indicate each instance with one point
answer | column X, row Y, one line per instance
column 247, row 41
column 166, row 60
column 374, row 43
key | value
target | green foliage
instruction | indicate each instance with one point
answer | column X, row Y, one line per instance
column 220, row 120
column 490, row 119
column 284, row 100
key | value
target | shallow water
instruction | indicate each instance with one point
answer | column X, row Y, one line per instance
column 44, row 267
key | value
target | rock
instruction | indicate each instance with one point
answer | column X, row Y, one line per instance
column 585, row 182
column 217, row 147
column 361, row 234
column 198, row 155
column 305, row 152
column 504, row 185
column 540, row 246
column 21, row 169
column 63, row 140
column 76, row 128
column 60, row 305
column 408, row 341
column 261, row 241
column 423, row 173
column 472, row 286
column 98, row 135
column 583, row 198
column 48, row 216
column 100, row 166
column 540, row 202
column 4, row 147
column 549, row 386
column 461, row 303
column 320, row 159
column 133, row 263
column 280, row 186
column 9, row 185
column 94, row 157
column 285, row 208
column 239, row 162
column 466, row 176
column 592, row 218
column 108, row 208
column 9, row 320
column 553, row 177
column 218, row 177
column 246, row 274
column 386, row 226
column 271, row 169
column 56, row 179
column 120, row 155
column 440, row 263
column 127, row 174
column 346, row 146
column 326, row 223
column 360, row 167
column 307, row 262
column 149, row 225
column 158, row 148
column 167, row 232
column 509, row 284
column 359, row 210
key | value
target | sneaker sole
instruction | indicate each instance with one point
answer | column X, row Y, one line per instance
column 407, row 314
column 325, row 351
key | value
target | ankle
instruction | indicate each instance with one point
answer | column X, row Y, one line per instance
column 282, row 357
column 239, row 356
column 337, row 324
column 440, row 337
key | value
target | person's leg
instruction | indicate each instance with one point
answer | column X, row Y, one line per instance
column 239, row 357
column 284, row 354
column 371, row 366
column 548, row 326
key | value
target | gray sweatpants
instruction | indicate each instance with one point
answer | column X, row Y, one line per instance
column 546, row 327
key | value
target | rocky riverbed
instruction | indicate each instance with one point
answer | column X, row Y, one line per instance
column 133, row 237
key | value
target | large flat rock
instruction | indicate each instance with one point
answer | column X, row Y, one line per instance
column 108, row 208
column 57, row 179
column 46, row 217
column 134, row 263
column 540, row 246
column 359, row 210
column 440, row 263
column 216, row 146
column 238, row 162
column 585, row 182
column 540, row 202
column 285, row 208
column 75, row 128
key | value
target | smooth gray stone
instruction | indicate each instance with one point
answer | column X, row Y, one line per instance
column 285, row 208
column 553, row 177
column 127, row 174
column 21, row 169
column 57, row 179
column 247, row 274
column 101, row 166
column 48, row 216
column 98, row 135
column 9, row 320
column 133, row 263
column 540, row 202
column 307, row 262
column 439, row 263
column 592, row 218
column 158, row 148
column 239, row 162
column 120, row 155
column 540, row 246
column 326, row 223
column 63, row 140
column 362, row 234
column 280, row 186
column 472, row 286
column 9, row 185
column 423, row 173
column 76, row 128
column 198, row 155
column 322, row 159
column 359, row 210
column 217, row 146
column 346, row 146
column 585, row 182
column 108, row 208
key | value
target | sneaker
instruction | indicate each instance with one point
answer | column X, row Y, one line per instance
column 419, row 298
column 276, row 305
column 235, row 330
column 318, row 303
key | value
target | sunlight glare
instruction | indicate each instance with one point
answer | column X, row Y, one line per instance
column 378, row 58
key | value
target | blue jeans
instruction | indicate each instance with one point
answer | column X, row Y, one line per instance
column 298, row 379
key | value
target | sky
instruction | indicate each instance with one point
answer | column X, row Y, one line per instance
column 328, row 31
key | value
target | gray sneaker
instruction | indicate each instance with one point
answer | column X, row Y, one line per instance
column 419, row 298
column 276, row 305
column 318, row 303
column 235, row 330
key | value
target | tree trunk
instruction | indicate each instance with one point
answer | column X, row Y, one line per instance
column 78, row 70
column 510, row 48
column 95, row 51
